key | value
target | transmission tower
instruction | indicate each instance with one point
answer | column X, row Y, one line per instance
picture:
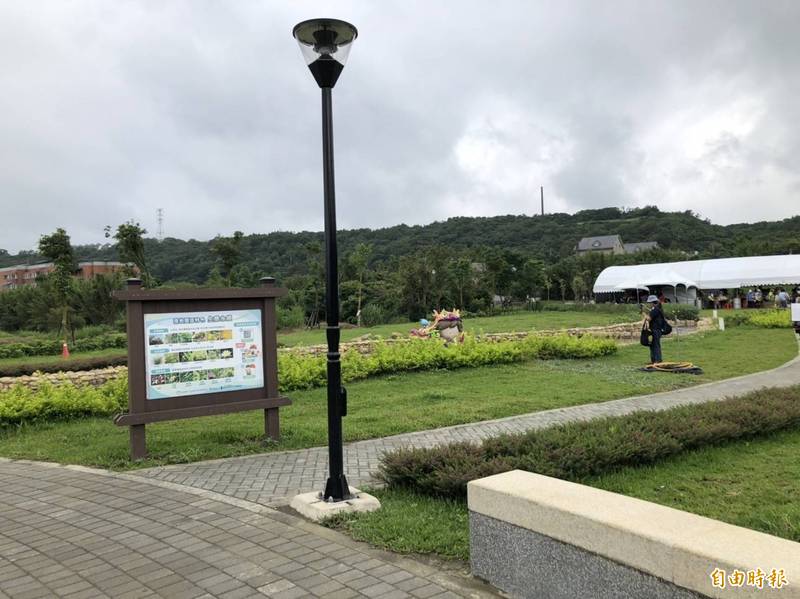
column 160, row 216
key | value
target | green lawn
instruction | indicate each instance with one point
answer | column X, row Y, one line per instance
column 514, row 321
column 409, row 402
column 754, row 483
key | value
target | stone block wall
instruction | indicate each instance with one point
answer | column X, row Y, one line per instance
column 94, row 377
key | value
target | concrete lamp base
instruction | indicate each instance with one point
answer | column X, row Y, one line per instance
column 314, row 508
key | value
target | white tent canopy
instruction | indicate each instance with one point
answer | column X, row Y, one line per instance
column 723, row 273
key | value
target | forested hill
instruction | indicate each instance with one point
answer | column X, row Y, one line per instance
column 548, row 238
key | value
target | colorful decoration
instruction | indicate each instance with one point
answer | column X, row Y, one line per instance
column 446, row 324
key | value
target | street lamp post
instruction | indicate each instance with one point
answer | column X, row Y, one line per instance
column 325, row 44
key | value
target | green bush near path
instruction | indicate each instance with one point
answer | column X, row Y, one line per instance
column 752, row 481
column 53, row 402
column 578, row 450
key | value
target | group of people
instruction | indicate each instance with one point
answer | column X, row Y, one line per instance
column 757, row 298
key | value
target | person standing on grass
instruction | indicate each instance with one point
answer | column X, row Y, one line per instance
column 655, row 322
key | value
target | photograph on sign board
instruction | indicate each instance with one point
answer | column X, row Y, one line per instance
column 191, row 353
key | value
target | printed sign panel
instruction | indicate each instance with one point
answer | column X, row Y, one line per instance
column 190, row 353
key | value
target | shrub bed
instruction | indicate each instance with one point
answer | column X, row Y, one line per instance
column 306, row 371
column 52, row 402
column 765, row 319
column 53, row 347
column 69, row 365
column 577, row 450
column 681, row 312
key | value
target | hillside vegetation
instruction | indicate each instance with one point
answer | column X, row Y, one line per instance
column 547, row 238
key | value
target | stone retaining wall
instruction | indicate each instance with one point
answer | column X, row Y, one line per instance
column 82, row 377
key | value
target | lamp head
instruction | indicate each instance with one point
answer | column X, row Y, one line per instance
column 325, row 44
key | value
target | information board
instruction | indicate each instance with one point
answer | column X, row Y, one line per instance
column 191, row 353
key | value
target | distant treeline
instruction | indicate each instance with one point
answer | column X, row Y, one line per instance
column 547, row 238
column 405, row 272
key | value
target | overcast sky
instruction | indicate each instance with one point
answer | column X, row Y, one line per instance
column 110, row 110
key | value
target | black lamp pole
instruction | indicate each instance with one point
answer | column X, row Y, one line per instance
column 336, row 488
column 325, row 43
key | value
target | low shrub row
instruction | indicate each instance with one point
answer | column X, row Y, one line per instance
column 53, row 402
column 304, row 372
column 52, row 347
column 297, row 371
column 578, row 450
column 69, row 365
column 681, row 312
column 765, row 319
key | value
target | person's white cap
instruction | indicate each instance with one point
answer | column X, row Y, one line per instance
column 652, row 299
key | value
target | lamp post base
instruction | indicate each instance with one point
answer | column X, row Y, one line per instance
column 336, row 489
column 313, row 507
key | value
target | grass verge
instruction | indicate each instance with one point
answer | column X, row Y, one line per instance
column 751, row 482
column 401, row 403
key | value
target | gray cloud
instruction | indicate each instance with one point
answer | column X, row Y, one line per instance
column 112, row 110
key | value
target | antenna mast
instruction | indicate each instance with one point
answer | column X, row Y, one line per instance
column 160, row 216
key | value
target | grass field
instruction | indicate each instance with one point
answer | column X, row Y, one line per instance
column 409, row 402
column 513, row 321
column 754, row 484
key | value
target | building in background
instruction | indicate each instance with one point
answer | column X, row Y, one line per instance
column 612, row 245
column 13, row 277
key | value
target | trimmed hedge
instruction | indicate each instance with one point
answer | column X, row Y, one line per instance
column 765, row 319
column 53, row 347
column 304, row 372
column 69, row 365
column 578, row 450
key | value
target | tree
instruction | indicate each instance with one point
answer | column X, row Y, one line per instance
column 359, row 260
column 130, row 247
column 462, row 275
column 228, row 250
column 56, row 247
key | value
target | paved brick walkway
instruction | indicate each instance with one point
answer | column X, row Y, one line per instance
column 273, row 478
column 77, row 533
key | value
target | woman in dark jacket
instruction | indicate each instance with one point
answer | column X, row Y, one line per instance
column 655, row 322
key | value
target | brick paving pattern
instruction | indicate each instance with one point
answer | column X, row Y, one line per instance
column 274, row 478
column 82, row 534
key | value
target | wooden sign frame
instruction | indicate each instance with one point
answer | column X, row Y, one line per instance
column 141, row 411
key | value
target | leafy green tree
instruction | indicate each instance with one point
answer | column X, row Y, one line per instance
column 130, row 247
column 56, row 247
column 228, row 251
column 359, row 259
